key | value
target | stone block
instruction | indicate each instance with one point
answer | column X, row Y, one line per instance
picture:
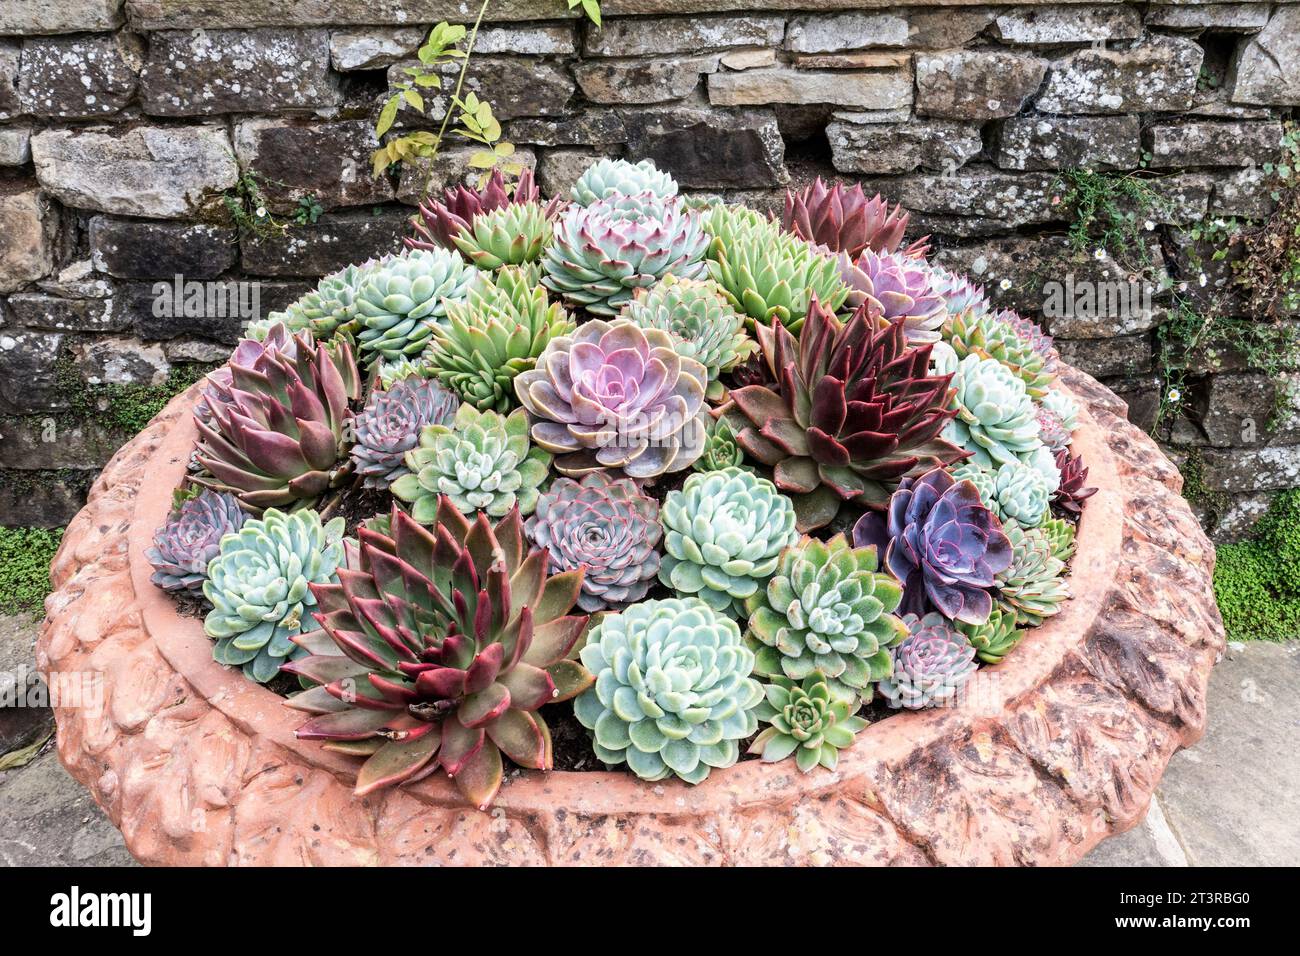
column 1156, row 75
column 158, row 172
column 642, row 81
column 1182, row 143
column 597, row 127
column 327, row 161
column 514, row 87
column 27, row 373
column 868, row 90
column 424, row 178
column 15, row 146
column 28, row 17
column 1125, row 355
column 336, row 241
column 78, row 77
column 902, row 147
column 1220, row 17
column 710, row 149
column 1069, row 142
column 1248, row 470
column 976, row 84
column 51, row 313
column 663, row 35
column 131, row 249
column 29, row 226
column 208, row 72
column 1073, row 23
column 846, row 31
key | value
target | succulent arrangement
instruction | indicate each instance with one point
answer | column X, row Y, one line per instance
column 691, row 484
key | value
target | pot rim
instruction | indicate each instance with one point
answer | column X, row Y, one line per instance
column 259, row 711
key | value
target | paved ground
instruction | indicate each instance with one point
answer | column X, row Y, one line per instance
column 1229, row 801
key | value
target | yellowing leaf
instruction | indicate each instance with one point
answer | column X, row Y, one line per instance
column 386, row 116
column 482, row 160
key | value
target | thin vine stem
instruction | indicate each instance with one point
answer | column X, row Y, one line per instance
column 460, row 85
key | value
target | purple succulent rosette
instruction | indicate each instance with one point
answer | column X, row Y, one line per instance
column 931, row 665
column 390, row 426
column 898, row 287
column 190, row 538
column 216, row 390
column 605, row 526
column 942, row 543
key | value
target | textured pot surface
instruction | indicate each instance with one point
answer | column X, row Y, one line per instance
column 1055, row 749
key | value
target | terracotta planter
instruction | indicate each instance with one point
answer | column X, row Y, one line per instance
column 1057, row 748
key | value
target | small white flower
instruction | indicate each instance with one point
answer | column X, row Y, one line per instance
column 261, row 212
column 1099, row 254
column 1202, row 279
column 1004, row 284
column 1175, row 395
column 1150, row 225
column 1182, row 287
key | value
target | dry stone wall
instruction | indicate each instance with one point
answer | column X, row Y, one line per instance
column 125, row 123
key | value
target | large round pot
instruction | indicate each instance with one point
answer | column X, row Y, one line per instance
column 1056, row 748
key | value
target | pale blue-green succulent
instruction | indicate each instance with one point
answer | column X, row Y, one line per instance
column 807, row 722
column 403, row 296
column 259, row 586
column 673, row 692
column 996, row 419
column 1014, row 490
column 618, row 177
column 723, row 533
column 482, row 461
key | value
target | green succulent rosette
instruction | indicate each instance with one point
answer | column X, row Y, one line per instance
column 984, row 334
column 996, row 419
column 995, row 638
column 498, row 331
column 1012, row 491
column 511, row 235
column 1060, row 537
column 1032, row 588
column 260, row 588
column 673, row 693
column 482, row 461
column 828, row 611
column 723, row 533
column 617, row 177
column 807, row 722
column 721, row 450
column 697, row 314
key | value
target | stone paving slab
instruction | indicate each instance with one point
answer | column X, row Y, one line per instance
column 1227, row 802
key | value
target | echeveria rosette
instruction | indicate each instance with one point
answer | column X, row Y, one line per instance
column 512, row 235
column 498, row 331
column 1072, row 490
column 602, row 253
column 959, row 294
column 853, row 409
column 443, row 220
column 1031, row 332
column 806, row 722
column 845, row 220
column 1065, row 413
column 617, row 177
column 260, row 588
column 995, row 638
column 768, row 274
column 988, row 336
column 931, row 665
column 723, row 533
column 1060, row 537
column 720, row 447
column 605, row 526
column 438, row 650
column 191, row 538
column 1032, row 587
column 390, row 373
column 996, row 420
column 673, row 693
column 391, row 424
column 704, row 324
column 827, row 612
column 329, row 309
column 1013, row 490
column 614, row 395
column 481, row 461
column 274, row 426
column 895, row 287
column 404, row 296
column 942, row 543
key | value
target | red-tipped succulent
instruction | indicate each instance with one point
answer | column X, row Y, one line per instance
column 438, row 649
column 845, row 220
column 1073, row 491
column 273, row 430
column 443, row 221
column 854, row 411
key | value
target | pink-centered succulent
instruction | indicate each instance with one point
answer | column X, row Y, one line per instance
column 895, row 287
column 441, row 222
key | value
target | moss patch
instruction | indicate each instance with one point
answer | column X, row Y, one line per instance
column 25, row 556
column 1257, row 582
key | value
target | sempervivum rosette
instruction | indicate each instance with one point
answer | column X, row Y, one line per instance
column 443, row 220
column 603, row 253
column 390, row 426
column 1032, row 587
column 277, row 433
column 260, row 588
column 845, row 220
column 940, row 540
column 403, row 296
column 618, row 177
column 1073, row 489
column 959, row 294
column 828, row 612
column 191, row 538
column 853, row 411
column 989, row 337
column 895, row 287
column 614, row 395
column 605, row 526
column 673, row 695
column 931, row 665
column 724, row 532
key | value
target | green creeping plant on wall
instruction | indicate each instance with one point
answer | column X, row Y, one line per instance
column 468, row 116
